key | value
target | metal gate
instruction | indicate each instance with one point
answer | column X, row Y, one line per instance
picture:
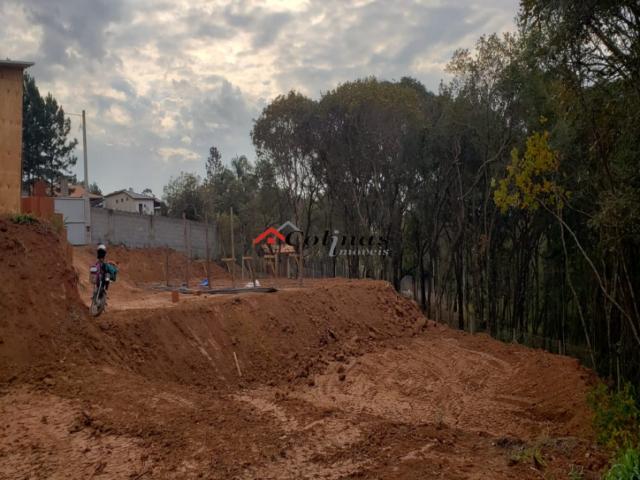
column 72, row 210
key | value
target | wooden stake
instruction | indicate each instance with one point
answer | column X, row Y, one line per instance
column 235, row 357
column 186, row 250
column 189, row 253
column 233, row 250
column 301, row 259
column 206, row 248
column 166, row 266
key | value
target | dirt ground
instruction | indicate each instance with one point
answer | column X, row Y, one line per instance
column 338, row 379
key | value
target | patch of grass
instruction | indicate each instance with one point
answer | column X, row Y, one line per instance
column 626, row 466
column 616, row 421
column 532, row 454
column 24, row 219
column 576, row 473
column 616, row 417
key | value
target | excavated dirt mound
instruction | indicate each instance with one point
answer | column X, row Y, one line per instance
column 340, row 379
column 274, row 337
column 39, row 303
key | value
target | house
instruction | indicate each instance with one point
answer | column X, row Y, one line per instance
column 130, row 201
column 64, row 189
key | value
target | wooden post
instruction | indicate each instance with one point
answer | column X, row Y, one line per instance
column 186, row 250
column 242, row 266
column 253, row 272
column 301, row 259
column 166, row 266
column 189, row 252
column 233, row 251
column 276, row 264
column 206, row 248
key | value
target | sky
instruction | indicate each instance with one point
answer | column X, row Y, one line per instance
column 162, row 81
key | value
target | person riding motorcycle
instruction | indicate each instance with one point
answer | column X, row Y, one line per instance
column 107, row 270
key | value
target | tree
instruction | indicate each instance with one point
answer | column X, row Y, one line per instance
column 368, row 143
column 95, row 189
column 47, row 148
column 184, row 195
column 214, row 162
column 283, row 135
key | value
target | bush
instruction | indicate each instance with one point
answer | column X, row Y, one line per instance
column 24, row 219
column 57, row 223
column 616, row 417
column 626, row 467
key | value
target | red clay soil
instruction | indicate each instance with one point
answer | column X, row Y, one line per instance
column 147, row 265
column 342, row 379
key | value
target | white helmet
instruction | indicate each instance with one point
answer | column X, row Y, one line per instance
column 102, row 247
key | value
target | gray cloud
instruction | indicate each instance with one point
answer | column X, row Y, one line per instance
column 162, row 81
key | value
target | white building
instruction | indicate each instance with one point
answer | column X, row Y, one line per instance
column 130, row 201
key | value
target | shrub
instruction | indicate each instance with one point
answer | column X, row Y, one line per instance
column 57, row 223
column 616, row 417
column 24, row 219
column 626, row 467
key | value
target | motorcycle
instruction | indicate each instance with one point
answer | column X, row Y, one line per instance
column 99, row 278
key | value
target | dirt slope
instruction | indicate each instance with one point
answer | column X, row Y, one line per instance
column 338, row 380
column 39, row 303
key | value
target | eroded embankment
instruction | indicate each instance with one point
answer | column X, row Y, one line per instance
column 40, row 310
column 281, row 336
column 44, row 323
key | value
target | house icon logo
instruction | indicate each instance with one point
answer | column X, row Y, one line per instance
column 288, row 227
column 270, row 236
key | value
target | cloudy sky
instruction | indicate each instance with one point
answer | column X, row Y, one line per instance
column 162, row 81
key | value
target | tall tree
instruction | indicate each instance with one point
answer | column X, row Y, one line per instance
column 47, row 148
column 283, row 136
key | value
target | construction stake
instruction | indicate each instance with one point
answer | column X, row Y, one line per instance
column 235, row 357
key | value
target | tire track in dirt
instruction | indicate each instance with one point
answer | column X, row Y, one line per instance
column 467, row 406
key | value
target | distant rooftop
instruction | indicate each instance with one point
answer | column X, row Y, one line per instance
column 132, row 194
column 15, row 64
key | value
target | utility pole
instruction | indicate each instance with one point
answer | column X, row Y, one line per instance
column 87, row 203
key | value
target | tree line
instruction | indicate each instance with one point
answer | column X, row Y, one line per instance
column 511, row 195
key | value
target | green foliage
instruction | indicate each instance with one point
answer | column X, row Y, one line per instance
column 57, row 223
column 576, row 473
column 532, row 455
column 184, row 195
column 25, row 219
column 616, row 417
column 95, row 189
column 626, row 466
column 46, row 146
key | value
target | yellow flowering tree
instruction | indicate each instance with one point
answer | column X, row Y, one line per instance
column 529, row 180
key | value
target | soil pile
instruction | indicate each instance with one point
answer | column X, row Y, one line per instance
column 284, row 336
column 39, row 302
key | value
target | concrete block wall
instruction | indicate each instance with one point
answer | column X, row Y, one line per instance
column 142, row 231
